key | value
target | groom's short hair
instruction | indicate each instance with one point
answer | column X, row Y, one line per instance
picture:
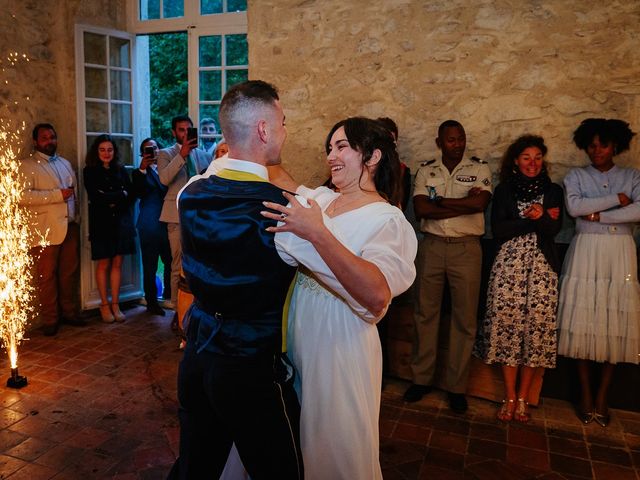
column 242, row 105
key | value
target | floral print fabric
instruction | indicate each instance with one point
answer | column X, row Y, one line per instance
column 520, row 323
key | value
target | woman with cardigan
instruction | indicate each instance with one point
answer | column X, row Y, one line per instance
column 519, row 330
column 599, row 306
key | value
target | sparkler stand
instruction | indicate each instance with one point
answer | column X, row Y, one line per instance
column 15, row 380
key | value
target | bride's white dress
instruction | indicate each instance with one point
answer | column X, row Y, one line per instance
column 333, row 341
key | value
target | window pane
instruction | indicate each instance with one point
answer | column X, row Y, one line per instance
column 149, row 9
column 210, row 86
column 119, row 52
column 210, row 112
column 172, row 8
column 236, row 76
column 168, row 82
column 95, row 48
column 120, row 85
column 95, row 82
column 97, row 117
column 124, row 149
column 121, row 118
column 208, row 132
column 236, row 5
column 210, row 51
column 237, row 52
column 210, row 6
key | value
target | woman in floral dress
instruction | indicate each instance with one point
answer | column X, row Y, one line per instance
column 519, row 330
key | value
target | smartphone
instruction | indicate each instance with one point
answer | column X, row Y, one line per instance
column 192, row 132
column 150, row 151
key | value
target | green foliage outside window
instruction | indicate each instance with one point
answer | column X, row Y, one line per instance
column 168, row 69
column 169, row 82
column 215, row 6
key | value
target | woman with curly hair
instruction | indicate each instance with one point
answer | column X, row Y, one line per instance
column 599, row 306
column 519, row 330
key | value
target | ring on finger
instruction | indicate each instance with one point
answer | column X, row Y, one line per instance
column 283, row 216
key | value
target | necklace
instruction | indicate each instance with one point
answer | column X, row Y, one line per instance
column 335, row 204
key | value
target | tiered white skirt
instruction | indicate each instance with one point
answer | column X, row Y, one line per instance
column 599, row 303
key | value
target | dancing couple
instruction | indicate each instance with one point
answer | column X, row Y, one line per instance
column 321, row 266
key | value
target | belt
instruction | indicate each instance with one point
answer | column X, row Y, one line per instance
column 463, row 239
column 600, row 228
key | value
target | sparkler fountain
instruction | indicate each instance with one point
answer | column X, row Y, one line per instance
column 15, row 262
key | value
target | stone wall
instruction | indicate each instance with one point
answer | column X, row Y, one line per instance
column 45, row 87
column 501, row 67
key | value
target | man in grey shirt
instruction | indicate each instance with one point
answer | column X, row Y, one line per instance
column 176, row 165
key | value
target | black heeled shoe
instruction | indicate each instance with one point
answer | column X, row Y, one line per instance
column 585, row 418
column 602, row 420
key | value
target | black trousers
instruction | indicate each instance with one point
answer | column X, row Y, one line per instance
column 242, row 400
column 150, row 250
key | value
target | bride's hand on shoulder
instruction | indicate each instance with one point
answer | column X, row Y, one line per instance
column 304, row 221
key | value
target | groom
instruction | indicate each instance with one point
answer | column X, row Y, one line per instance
column 234, row 384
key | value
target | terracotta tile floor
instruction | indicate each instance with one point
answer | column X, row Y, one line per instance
column 101, row 403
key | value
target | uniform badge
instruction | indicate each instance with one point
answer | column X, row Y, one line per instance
column 466, row 178
column 428, row 162
column 477, row 160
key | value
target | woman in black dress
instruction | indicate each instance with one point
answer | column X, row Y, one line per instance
column 111, row 229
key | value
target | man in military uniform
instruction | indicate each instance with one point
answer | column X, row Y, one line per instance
column 450, row 197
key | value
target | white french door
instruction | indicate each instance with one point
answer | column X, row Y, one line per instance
column 218, row 59
column 104, row 85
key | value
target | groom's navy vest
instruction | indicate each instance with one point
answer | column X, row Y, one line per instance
column 232, row 266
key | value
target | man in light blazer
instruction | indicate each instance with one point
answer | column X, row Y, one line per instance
column 51, row 197
column 176, row 165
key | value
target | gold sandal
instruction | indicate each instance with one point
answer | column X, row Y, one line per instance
column 521, row 413
column 105, row 313
column 505, row 414
column 118, row 315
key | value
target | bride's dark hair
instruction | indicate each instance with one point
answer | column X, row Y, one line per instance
column 366, row 135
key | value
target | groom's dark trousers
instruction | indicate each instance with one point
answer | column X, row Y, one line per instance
column 234, row 384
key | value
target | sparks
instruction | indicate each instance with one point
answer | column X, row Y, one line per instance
column 15, row 262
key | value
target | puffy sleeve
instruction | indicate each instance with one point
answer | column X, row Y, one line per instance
column 393, row 250
column 288, row 243
column 322, row 195
column 391, row 246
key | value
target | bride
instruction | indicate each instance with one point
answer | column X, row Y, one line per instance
column 355, row 252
